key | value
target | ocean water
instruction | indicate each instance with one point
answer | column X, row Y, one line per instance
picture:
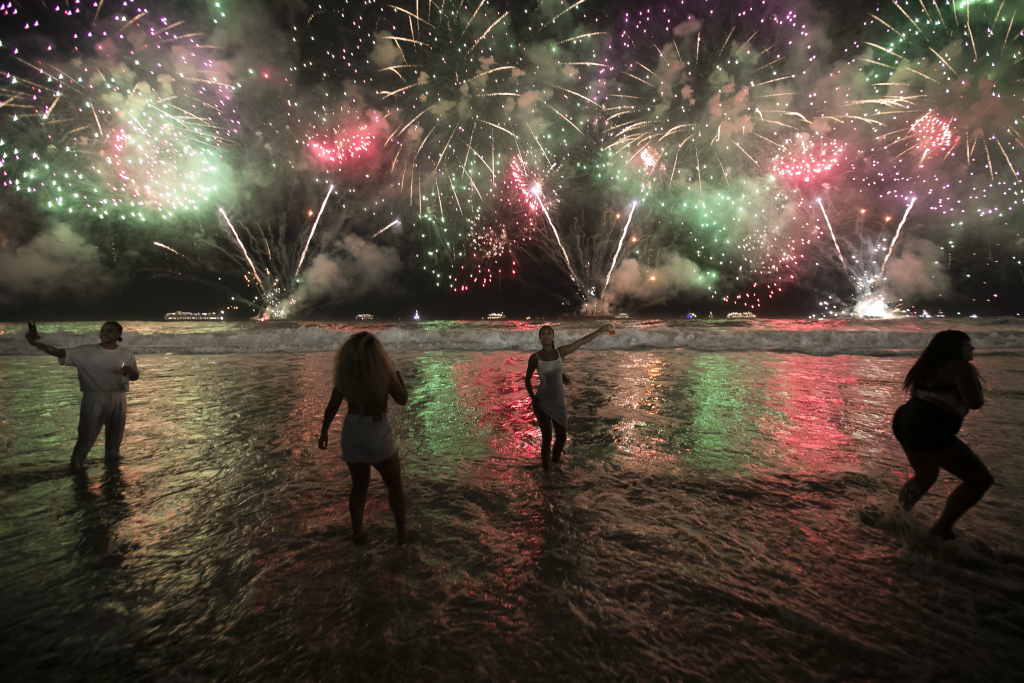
column 814, row 337
column 724, row 512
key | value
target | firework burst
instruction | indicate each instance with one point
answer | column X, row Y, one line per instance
column 949, row 78
column 444, row 74
column 807, row 160
column 707, row 88
column 501, row 236
column 122, row 117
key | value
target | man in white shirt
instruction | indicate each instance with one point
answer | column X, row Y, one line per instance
column 104, row 371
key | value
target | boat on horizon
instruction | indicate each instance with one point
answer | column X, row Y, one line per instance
column 186, row 315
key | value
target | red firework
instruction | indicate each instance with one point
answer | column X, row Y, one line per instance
column 806, row 160
column 932, row 133
column 524, row 184
column 343, row 148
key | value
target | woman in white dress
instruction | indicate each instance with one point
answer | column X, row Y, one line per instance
column 549, row 399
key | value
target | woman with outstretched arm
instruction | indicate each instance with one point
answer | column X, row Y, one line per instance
column 549, row 398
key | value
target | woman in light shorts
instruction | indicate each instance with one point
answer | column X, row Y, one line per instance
column 365, row 377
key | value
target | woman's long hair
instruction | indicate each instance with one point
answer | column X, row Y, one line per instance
column 946, row 345
column 362, row 370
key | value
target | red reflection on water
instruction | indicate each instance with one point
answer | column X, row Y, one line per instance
column 810, row 392
column 513, row 535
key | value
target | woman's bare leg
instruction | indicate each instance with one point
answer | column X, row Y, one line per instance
column 391, row 472
column 926, row 471
column 560, row 434
column 962, row 462
column 360, row 472
column 545, row 434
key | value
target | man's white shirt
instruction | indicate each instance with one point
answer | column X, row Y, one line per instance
column 100, row 369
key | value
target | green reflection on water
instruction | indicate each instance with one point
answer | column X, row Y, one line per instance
column 437, row 420
column 728, row 406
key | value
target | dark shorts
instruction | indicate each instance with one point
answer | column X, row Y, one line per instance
column 921, row 426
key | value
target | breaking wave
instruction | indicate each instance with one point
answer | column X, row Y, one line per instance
column 822, row 338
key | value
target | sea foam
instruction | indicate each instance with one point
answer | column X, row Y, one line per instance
column 820, row 339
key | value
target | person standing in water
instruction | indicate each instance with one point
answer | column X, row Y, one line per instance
column 549, row 399
column 104, row 371
column 944, row 387
column 365, row 377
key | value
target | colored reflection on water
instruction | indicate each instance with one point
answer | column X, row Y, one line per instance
column 707, row 503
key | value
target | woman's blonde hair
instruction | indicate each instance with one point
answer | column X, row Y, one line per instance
column 363, row 370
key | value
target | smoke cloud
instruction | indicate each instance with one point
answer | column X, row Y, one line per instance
column 635, row 283
column 55, row 263
column 919, row 271
column 356, row 269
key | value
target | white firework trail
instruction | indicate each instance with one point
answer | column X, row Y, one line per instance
column 313, row 230
column 245, row 253
column 572, row 274
column 891, row 246
column 167, row 248
column 391, row 224
column 625, row 229
column 830, row 231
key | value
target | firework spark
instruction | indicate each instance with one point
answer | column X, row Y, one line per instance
column 126, row 120
column 618, row 250
column 709, row 93
column 312, row 230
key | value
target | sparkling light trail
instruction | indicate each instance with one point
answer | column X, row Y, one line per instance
column 245, row 253
column 899, row 229
column 572, row 273
column 391, row 224
column 831, row 232
column 167, row 248
column 313, row 230
column 625, row 228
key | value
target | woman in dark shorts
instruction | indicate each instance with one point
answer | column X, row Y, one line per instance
column 944, row 387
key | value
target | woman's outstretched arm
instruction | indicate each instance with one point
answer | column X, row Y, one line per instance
column 569, row 348
column 332, row 409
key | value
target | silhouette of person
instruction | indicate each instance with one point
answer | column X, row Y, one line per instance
column 365, row 377
column 104, row 371
column 549, row 398
column 944, row 387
